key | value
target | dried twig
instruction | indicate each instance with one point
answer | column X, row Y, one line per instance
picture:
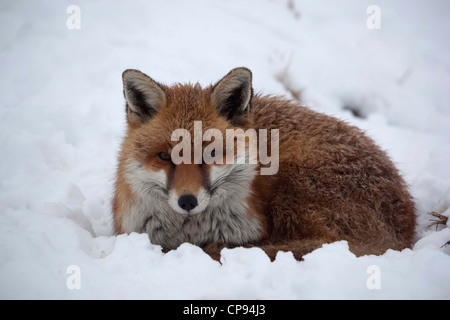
column 292, row 7
column 284, row 77
column 441, row 219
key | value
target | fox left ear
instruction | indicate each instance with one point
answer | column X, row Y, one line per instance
column 232, row 95
column 144, row 96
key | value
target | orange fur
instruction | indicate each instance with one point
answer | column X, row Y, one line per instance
column 333, row 182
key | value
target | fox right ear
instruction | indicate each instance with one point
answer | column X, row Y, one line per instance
column 232, row 95
column 143, row 95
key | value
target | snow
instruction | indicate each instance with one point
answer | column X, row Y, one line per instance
column 62, row 121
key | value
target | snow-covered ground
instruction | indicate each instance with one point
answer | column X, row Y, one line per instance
column 62, row 120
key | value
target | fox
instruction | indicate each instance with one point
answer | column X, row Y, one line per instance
column 332, row 182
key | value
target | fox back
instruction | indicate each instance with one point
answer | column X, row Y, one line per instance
column 330, row 182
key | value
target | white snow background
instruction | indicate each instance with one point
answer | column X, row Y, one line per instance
column 62, row 120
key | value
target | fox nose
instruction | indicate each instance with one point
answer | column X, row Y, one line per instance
column 187, row 202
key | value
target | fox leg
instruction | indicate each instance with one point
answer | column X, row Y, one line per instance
column 298, row 247
column 213, row 250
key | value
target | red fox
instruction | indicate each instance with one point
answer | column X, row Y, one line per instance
column 331, row 181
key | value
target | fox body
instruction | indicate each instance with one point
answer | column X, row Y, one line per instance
column 332, row 182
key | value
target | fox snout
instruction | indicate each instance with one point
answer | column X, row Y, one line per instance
column 187, row 202
column 188, row 190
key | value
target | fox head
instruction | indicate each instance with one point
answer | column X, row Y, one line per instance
column 151, row 150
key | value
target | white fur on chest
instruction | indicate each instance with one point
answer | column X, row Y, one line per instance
column 225, row 220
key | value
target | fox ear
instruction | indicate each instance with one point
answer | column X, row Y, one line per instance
column 144, row 96
column 232, row 95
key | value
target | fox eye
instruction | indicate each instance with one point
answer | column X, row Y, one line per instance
column 212, row 156
column 164, row 156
